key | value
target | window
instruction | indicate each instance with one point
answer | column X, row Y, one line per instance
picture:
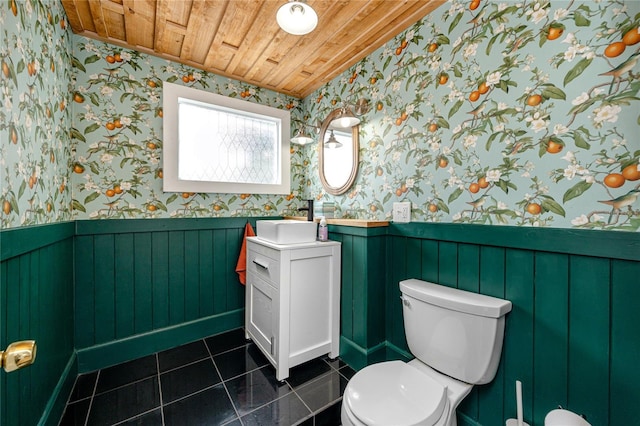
column 214, row 143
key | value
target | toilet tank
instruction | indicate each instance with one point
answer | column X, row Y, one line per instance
column 456, row 332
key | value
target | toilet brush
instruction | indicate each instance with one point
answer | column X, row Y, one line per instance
column 519, row 421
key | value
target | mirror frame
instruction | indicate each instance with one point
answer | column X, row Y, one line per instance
column 355, row 139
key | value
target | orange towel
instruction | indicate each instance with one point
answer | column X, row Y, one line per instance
column 241, row 266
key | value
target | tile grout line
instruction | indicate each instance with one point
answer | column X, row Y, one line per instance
column 93, row 394
column 222, row 381
column 160, row 388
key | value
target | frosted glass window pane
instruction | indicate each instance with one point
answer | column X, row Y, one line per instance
column 218, row 145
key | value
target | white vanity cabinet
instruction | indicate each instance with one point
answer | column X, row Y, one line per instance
column 292, row 309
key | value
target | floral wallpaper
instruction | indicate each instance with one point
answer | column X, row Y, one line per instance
column 519, row 113
column 35, row 114
column 117, row 134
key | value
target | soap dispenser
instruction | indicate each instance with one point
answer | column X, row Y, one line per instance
column 323, row 231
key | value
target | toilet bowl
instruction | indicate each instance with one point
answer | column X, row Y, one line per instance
column 456, row 337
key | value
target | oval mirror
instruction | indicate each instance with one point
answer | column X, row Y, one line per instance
column 338, row 154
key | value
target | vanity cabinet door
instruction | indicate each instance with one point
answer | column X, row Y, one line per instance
column 262, row 314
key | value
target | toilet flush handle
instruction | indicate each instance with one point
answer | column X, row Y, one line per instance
column 405, row 301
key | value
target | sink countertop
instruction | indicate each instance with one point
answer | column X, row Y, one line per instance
column 360, row 223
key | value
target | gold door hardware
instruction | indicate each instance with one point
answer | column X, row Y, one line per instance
column 18, row 355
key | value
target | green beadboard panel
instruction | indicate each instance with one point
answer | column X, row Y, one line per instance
column 124, row 288
column 360, row 291
column 551, row 332
column 430, row 260
column 589, row 337
column 104, row 290
column 469, row 267
column 492, row 276
column 205, row 254
column 346, row 293
column 625, row 342
column 191, row 275
column 414, row 255
column 84, row 296
column 143, row 282
column 447, row 264
column 517, row 355
column 176, row 277
column 375, row 261
column 36, row 302
column 160, row 279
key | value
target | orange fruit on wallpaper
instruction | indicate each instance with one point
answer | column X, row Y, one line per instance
column 614, row 180
column 483, row 182
column 14, row 8
column 614, row 49
column 117, row 57
column 554, row 147
column 474, row 188
column 554, row 33
column 118, row 189
column 117, row 123
column 373, row 80
column 398, row 192
column 111, row 59
column 6, row 207
column 443, row 79
column 474, row 4
column 433, row 127
column 403, row 45
column 110, row 126
column 433, row 208
column 443, row 162
column 5, row 69
column 379, row 106
column 110, row 192
column 185, row 78
column 631, row 172
column 534, row 208
column 151, row 84
column 631, row 37
column 151, row 208
column 78, row 168
column 483, row 88
column 474, row 96
column 534, row 100
column 432, row 47
column 78, row 98
column 399, row 51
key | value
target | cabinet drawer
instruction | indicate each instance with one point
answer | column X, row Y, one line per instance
column 264, row 267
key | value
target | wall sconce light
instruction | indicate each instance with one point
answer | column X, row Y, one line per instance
column 297, row 18
column 301, row 138
column 332, row 142
column 346, row 119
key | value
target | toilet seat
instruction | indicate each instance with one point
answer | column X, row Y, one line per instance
column 395, row 393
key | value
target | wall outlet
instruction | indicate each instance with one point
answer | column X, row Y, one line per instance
column 402, row 212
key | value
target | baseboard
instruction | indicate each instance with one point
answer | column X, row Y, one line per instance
column 393, row 352
column 358, row 357
column 123, row 350
column 55, row 406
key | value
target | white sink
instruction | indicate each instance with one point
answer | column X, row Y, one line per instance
column 286, row 231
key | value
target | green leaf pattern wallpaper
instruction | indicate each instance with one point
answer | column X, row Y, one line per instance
column 518, row 113
column 35, row 113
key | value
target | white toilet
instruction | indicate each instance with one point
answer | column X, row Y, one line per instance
column 456, row 337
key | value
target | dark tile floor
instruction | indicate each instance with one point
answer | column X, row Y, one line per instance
column 221, row 380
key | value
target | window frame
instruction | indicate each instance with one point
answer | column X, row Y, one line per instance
column 171, row 183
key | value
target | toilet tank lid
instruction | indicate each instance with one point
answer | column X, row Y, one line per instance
column 455, row 299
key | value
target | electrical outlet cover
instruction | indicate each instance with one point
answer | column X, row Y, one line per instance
column 402, row 212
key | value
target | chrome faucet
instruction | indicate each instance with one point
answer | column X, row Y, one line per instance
column 309, row 210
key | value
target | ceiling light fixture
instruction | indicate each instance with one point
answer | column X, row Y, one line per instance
column 297, row 18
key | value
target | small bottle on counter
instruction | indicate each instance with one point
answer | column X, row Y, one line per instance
column 323, row 231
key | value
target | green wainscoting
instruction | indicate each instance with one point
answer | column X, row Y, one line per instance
column 96, row 293
column 144, row 286
column 573, row 337
column 362, row 332
column 36, row 302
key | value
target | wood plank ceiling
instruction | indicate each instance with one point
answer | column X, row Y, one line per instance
column 241, row 39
